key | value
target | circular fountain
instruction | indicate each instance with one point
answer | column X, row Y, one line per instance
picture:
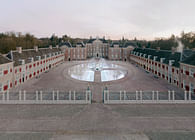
column 97, row 71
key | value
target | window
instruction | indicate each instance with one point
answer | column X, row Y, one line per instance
column 8, row 84
column 184, row 69
column 191, row 72
column 184, row 84
column 8, row 68
column 1, row 87
column 1, row 72
column 191, row 88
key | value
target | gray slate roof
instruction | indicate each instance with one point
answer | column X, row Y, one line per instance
column 168, row 55
column 4, row 60
column 190, row 60
column 26, row 54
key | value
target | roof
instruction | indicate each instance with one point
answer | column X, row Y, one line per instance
column 80, row 44
column 31, row 53
column 168, row 55
column 93, row 39
column 66, row 44
column 129, row 44
column 115, row 43
column 4, row 60
column 122, row 45
column 190, row 60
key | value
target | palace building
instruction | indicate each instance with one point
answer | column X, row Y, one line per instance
column 20, row 65
column 174, row 67
column 98, row 48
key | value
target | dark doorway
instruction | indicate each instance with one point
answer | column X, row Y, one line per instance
column 125, row 59
column 68, row 59
column 23, row 79
column 97, row 55
column 49, row 66
column 169, row 80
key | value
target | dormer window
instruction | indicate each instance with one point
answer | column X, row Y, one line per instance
column 31, row 59
column 21, row 61
column 191, row 72
column 38, row 58
column 44, row 56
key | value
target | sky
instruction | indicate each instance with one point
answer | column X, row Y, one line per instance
column 143, row 19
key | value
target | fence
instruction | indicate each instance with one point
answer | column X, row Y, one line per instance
column 141, row 97
column 43, row 97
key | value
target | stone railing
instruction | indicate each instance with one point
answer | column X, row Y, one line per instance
column 141, row 97
column 42, row 97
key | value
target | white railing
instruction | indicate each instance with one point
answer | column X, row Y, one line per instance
column 121, row 97
column 40, row 97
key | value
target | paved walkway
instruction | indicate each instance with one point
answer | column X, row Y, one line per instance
column 97, row 121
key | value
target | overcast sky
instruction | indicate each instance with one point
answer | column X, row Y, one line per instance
column 145, row 19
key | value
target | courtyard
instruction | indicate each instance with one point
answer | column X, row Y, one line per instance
column 135, row 78
column 97, row 121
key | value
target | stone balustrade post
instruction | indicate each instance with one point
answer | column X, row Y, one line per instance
column 24, row 93
column 125, row 95
column 86, row 95
column 20, row 95
column 69, row 94
column 152, row 95
column 173, row 95
column 157, row 95
column 53, row 95
column 185, row 95
column 169, row 95
column 136, row 95
column 7, row 95
column 3, row 98
column 37, row 95
column 190, row 95
column 120, row 96
column 104, row 95
column 108, row 96
column 74, row 95
column 57, row 94
column 41, row 95
column 141, row 95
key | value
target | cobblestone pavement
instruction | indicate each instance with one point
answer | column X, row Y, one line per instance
column 97, row 121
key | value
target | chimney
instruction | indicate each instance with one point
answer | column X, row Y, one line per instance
column 21, row 61
column 173, row 50
column 154, row 58
column 57, row 46
column 162, row 60
column 31, row 59
column 158, row 48
column 19, row 49
column 50, row 46
column 36, row 48
column 171, row 62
